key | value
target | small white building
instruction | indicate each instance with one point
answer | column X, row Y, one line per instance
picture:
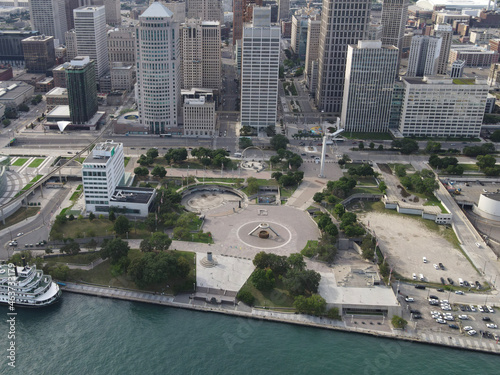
column 122, row 76
column 199, row 115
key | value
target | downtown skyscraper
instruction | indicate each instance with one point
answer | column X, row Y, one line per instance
column 260, row 71
column 394, row 17
column 48, row 17
column 158, row 70
column 343, row 22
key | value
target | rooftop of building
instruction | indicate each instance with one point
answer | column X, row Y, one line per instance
column 464, row 81
column 38, row 38
column 57, row 91
column 370, row 296
column 59, row 111
column 441, row 81
column 132, row 195
column 156, row 10
column 102, row 152
column 494, row 196
column 12, row 89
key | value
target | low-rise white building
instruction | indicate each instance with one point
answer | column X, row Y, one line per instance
column 198, row 111
column 122, row 76
column 442, row 107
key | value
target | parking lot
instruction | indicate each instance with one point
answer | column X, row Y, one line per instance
column 406, row 241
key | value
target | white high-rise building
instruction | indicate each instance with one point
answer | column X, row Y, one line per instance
column 260, row 71
column 201, row 54
column 371, row 69
column 102, row 171
column 343, row 22
column 205, row 10
column 113, row 16
column 443, row 107
column 158, row 68
column 91, row 36
column 445, row 32
column 49, row 18
column 424, row 56
column 394, row 18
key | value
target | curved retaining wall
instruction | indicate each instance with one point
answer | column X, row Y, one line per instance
column 213, row 187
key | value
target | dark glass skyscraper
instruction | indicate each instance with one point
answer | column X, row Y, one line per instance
column 82, row 89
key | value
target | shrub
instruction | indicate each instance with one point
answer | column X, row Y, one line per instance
column 246, row 297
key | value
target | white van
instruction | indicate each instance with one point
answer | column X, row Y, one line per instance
column 421, row 277
column 414, row 276
column 460, row 282
column 425, row 260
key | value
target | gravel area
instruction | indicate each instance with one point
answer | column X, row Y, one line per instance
column 406, row 241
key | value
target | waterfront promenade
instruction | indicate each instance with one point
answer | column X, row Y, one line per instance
column 241, row 310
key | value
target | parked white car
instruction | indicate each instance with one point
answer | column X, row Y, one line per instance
column 471, row 333
column 463, row 317
column 490, row 309
column 491, row 325
column 467, row 328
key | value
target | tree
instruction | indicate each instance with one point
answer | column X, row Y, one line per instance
column 341, row 188
column 313, row 305
column 495, row 137
column 23, row 107
column 432, row 147
column 263, row 279
column 252, row 185
column 112, row 215
column 245, row 142
column 398, row 322
column 339, row 209
column 114, row 249
column 91, row 216
column 323, row 221
column 176, row 155
column 141, row 171
column 71, row 247
column 276, row 176
column 122, row 225
column 347, row 218
column 301, row 282
column 296, row 261
column 152, row 153
column 382, row 186
column 406, row 146
column 318, row 197
column 6, row 122
column 361, row 145
column 400, row 170
column 332, row 230
column 246, row 297
column 59, row 272
column 159, row 171
column 145, row 160
column 279, row 141
column 158, row 241
column 380, row 147
column 334, row 314
column 485, row 161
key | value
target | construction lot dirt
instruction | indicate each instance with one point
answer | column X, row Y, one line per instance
column 406, row 240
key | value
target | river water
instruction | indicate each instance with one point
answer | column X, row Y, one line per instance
column 91, row 335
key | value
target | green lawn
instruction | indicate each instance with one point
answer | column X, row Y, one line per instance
column 82, row 228
column 126, row 160
column 263, row 182
column 75, row 195
column 36, row 163
column 102, row 275
column 22, row 214
column 408, row 167
column 366, row 190
column 226, row 180
column 278, row 297
column 30, row 184
column 86, row 258
column 469, row 167
column 366, row 181
column 19, row 162
column 368, row 136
